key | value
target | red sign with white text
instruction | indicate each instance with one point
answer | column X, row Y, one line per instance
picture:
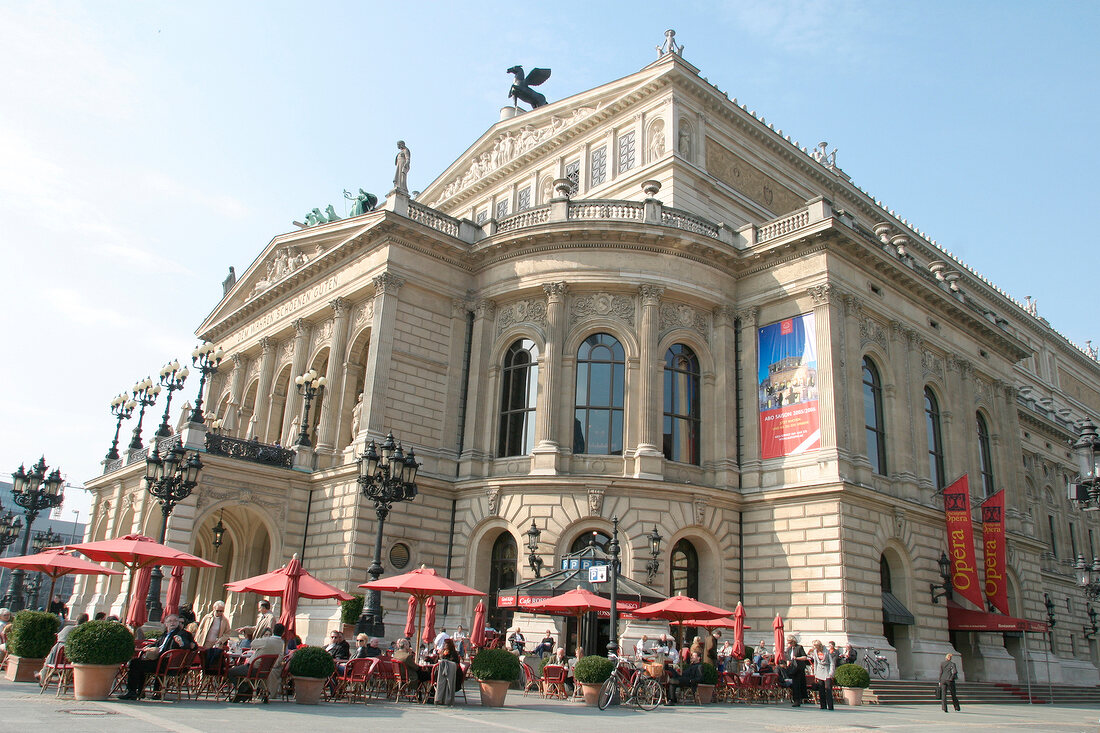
column 960, row 541
column 993, row 541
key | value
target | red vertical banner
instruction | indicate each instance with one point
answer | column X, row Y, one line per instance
column 960, row 541
column 993, row 541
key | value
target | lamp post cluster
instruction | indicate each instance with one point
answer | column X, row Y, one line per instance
column 943, row 589
column 1085, row 492
column 386, row 478
column 169, row 479
column 308, row 384
column 172, row 377
column 41, row 541
column 122, row 407
column 1088, row 576
column 145, row 394
column 205, row 357
column 33, row 491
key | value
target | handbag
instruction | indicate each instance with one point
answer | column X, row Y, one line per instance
column 151, row 653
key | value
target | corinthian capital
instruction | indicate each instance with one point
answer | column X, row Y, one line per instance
column 554, row 291
column 387, row 283
column 486, row 308
column 651, row 294
column 340, row 306
column 822, row 294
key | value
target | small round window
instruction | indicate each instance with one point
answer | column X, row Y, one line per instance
column 399, row 555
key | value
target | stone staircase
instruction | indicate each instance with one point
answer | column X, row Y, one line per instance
column 911, row 692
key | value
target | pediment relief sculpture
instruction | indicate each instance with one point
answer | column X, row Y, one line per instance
column 284, row 261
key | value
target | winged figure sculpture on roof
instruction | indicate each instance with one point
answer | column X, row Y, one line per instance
column 521, row 90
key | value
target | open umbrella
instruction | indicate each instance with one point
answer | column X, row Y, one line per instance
column 137, row 612
column 679, row 609
column 290, row 583
column 410, row 618
column 55, row 563
column 778, row 626
column 477, row 628
column 576, row 602
column 739, row 631
column 429, row 621
column 175, row 590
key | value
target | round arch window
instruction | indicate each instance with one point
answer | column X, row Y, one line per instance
column 399, row 555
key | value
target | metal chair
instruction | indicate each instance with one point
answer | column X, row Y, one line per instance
column 60, row 668
column 553, row 682
column 530, row 680
column 354, row 679
column 404, row 686
column 256, row 677
column 173, row 668
column 214, row 681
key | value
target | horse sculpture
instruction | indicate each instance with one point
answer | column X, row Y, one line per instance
column 521, row 90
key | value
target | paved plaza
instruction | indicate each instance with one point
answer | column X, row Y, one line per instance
column 22, row 709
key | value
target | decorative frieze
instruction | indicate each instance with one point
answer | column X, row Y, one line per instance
column 531, row 311
column 931, row 363
column 620, row 307
column 871, row 331
column 680, row 315
column 364, row 314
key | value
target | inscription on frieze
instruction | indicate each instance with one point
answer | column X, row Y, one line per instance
column 283, row 310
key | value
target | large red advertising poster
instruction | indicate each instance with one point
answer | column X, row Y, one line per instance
column 787, row 385
column 960, row 541
column 993, row 541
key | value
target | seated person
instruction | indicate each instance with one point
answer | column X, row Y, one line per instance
column 175, row 637
column 546, row 646
column 450, row 653
column 337, row 646
column 689, row 677
column 243, row 642
column 642, row 647
column 462, row 641
column 767, row 664
column 269, row 644
column 403, row 655
column 516, row 642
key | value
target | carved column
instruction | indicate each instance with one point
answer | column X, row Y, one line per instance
column 648, row 458
column 298, row 365
column 479, row 399
column 548, row 409
column 380, row 356
column 330, row 406
column 724, row 439
column 263, row 391
column 825, row 298
column 749, row 398
column 236, row 387
column 901, row 441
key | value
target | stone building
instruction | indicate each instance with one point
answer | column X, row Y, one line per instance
column 567, row 325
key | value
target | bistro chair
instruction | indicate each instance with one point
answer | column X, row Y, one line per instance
column 403, row 685
column 354, row 679
column 553, row 682
column 60, row 668
column 256, row 677
column 530, row 680
column 770, row 690
column 173, row 669
column 214, row 681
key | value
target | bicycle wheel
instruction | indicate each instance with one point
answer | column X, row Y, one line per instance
column 883, row 670
column 648, row 693
column 607, row 692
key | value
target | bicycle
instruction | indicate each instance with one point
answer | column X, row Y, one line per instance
column 876, row 664
column 633, row 686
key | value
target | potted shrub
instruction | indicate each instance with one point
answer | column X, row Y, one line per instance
column 854, row 679
column 32, row 635
column 495, row 670
column 590, row 673
column 350, row 611
column 704, row 691
column 96, row 649
column 310, row 666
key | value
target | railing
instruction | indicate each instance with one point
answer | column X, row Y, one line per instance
column 249, row 450
column 597, row 209
column 530, row 217
column 781, row 227
column 114, row 465
column 688, row 222
column 433, row 219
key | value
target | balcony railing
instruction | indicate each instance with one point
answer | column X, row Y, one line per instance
column 249, row 450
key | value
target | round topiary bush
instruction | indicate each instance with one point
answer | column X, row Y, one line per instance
column 350, row 611
column 852, row 675
column 100, row 642
column 495, row 664
column 593, row 670
column 710, row 674
column 311, row 661
column 32, row 634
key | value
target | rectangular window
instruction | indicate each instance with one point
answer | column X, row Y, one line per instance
column 626, row 151
column 482, row 216
column 502, row 208
column 573, row 173
column 599, row 166
column 1092, row 547
column 1072, row 542
column 1053, row 537
column 524, row 200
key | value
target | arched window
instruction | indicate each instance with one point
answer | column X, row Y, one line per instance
column 520, row 379
column 986, row 455
column 596, row 537
column 502, row 574
column 872, row 417
column 683, row 570
column 681, row 416
column 935, row 439
column 598, row 414
column 884, row 575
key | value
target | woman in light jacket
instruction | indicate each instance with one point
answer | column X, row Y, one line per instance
column 824, row 668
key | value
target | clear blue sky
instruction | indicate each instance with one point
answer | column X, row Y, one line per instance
column 145, row 147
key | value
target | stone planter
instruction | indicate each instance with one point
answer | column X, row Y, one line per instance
column 493, row 692
column 591, row 692
column 853, row 695
column 22, row 669
column 704, row 694
column 93, row 681
column 307, row 690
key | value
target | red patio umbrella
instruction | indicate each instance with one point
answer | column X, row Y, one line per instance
column 175, row 590
column 679, row 609
column 739, row 631
column 429, row 621
column 778, row 626
column 477, row 628
column 576, row 602
column 55, row 563
column 410, row 618
column 137, row 613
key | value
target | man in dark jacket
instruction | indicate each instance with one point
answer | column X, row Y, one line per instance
column 175, row 637
column 337, row 646
column 795, row 669
column 948, row 673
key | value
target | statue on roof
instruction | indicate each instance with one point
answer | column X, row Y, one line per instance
column 402, row 162
column 521, row 90
column 670, row 45
column 229, row 282
column 364, row 202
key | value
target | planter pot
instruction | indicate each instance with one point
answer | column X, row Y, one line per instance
column 493, row 692
column 93, row 681
column 307, row 690
column 22, row 669
column 591, row 692
column 853, row 695
column 704, row 694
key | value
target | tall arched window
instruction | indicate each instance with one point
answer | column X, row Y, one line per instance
column 985, row 453
column 520, row 379
column 681, row 416
column 502, row 574
column 935, row 439
column 872, row 417
column 683, row 570
column 598, row 414
column 595, row 537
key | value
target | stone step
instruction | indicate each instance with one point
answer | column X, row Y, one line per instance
column 916, row 692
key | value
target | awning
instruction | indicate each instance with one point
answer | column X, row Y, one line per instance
column 963, row 619
column 894, row 611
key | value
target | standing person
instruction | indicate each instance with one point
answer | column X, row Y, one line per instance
column 402, row 162
column 796, row 670
column 441, row 637
column 949, row 672
column 823, row 674
column 265, row 620
column 834, row 653
column 711, row 651
column 462, row 641
column 213, row 631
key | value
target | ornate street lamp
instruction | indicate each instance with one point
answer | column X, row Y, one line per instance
column 943, row 589
column 42, row 540
column 533, row 533
column 10, row 527
column 206, row 357
column 170, row 480
column 613, row 547
column 309, row 384
column 1085, row 492
column 1092, row 628
column 385, row 478
column 1049, row 603
column 122, row 407
column 218, row 531
column 654, row 565
column 34, row 491
column 1088, row 576
column 145, row 394
column 172, row 378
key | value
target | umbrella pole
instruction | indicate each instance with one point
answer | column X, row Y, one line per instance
column 419, row 626
column 129, row 590
column 49, row 598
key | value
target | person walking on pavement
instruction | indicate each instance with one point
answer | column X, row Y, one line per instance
column 949, row 672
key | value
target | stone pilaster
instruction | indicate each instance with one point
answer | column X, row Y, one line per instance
column 825, row 298
column 749, row 398
column 236, row 388
column 723, row 447
column 298, row 366
column 480, row 398
column 457, row 355
column 548, row 431
column 263, row 390
column 330, row 407
column 386, row 288
column 648, row 458
column 852, row 385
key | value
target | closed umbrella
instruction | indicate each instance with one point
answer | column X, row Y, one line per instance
column 288, row 606
column 739, row 631
column 477, row 628
column 410, row 618
column 138, row 614
column 778, row 626
column 175, row 589
column 429, row 621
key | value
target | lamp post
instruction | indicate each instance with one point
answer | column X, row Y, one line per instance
column 10, row 527
column 613, row 548
column 218, row 530
column 1092, row 628
column 533, row 533
column 206, row 357
column 944, row 589
column 654, row 565
column 1085, row 492
column 172, row 378
column 122, row 407
column 385, row 478
column 308, row 384
column 170, row 480
column 34, row 491
column 145, row 394
column 1049, row 603
column 1088, row 576
column 41, row 541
